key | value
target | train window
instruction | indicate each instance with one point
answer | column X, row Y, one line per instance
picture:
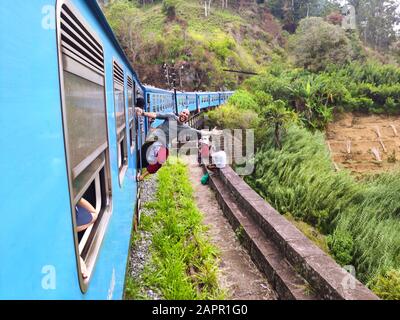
column 131, row 97
column 82, row 78
column 120, row 121
column 131, row 114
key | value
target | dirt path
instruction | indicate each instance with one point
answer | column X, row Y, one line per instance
column 238, row 274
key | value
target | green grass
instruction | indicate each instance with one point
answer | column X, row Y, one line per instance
column 208, row 44
column 310, row 232
column 183, row 264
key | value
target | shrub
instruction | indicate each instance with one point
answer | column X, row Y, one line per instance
column 341, row 246
column 278, row 118
column 317, row 44
column 222, row 46
column 387, row 285
column 244, row 100
column 169, row 8
column 231, row 117
column 370, row 72
column 299, row 178
column 262, row 99
column 335, row 18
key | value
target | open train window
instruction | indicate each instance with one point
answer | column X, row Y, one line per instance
column 131, row 114
column 120, row 121
column 82, row 80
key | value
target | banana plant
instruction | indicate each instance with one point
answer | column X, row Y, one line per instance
column 277, row 115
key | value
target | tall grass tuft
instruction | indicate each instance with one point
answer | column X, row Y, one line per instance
column 362, row 218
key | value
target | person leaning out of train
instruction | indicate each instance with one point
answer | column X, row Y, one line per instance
column 175, row 124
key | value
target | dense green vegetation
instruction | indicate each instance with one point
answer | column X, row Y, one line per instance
column 294, row 171
column 359, row 217
column 184, row 264
column 177, row 32
column 374, row 18
column 245, row 35
column 365, row 87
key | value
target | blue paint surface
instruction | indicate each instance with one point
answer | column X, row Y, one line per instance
column 36, row 233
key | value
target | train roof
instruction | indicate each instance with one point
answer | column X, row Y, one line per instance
column 103, row 20
column 155, row 89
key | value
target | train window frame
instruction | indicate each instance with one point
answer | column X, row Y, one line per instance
column 81, row 54
column 131, row 87
column 120, row 131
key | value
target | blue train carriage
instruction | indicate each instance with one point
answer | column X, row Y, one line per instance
column 203, row 100
column 224, row 96
column 192, row 102
column 160, row 101
column 182, row 101
column 214, row 99
column 68, row 98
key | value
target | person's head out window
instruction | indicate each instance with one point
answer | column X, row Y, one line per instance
column 140, row 103
column 184, row 116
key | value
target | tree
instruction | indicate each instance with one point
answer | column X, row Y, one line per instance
column 125, row 19
column 376, row 20
column 292, row 11
column 207, row 7
column 317, row 44
column 279, row 117
column 169, row 8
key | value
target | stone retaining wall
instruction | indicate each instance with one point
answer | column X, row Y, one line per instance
column 325, row 276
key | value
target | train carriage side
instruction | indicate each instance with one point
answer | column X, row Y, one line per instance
column 52, row 99
column 203, row 100
column 214, row 99
column 160, row 101
column 181, row 101
column 192, row 102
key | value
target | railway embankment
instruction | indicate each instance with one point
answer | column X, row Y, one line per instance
column 295, row 266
